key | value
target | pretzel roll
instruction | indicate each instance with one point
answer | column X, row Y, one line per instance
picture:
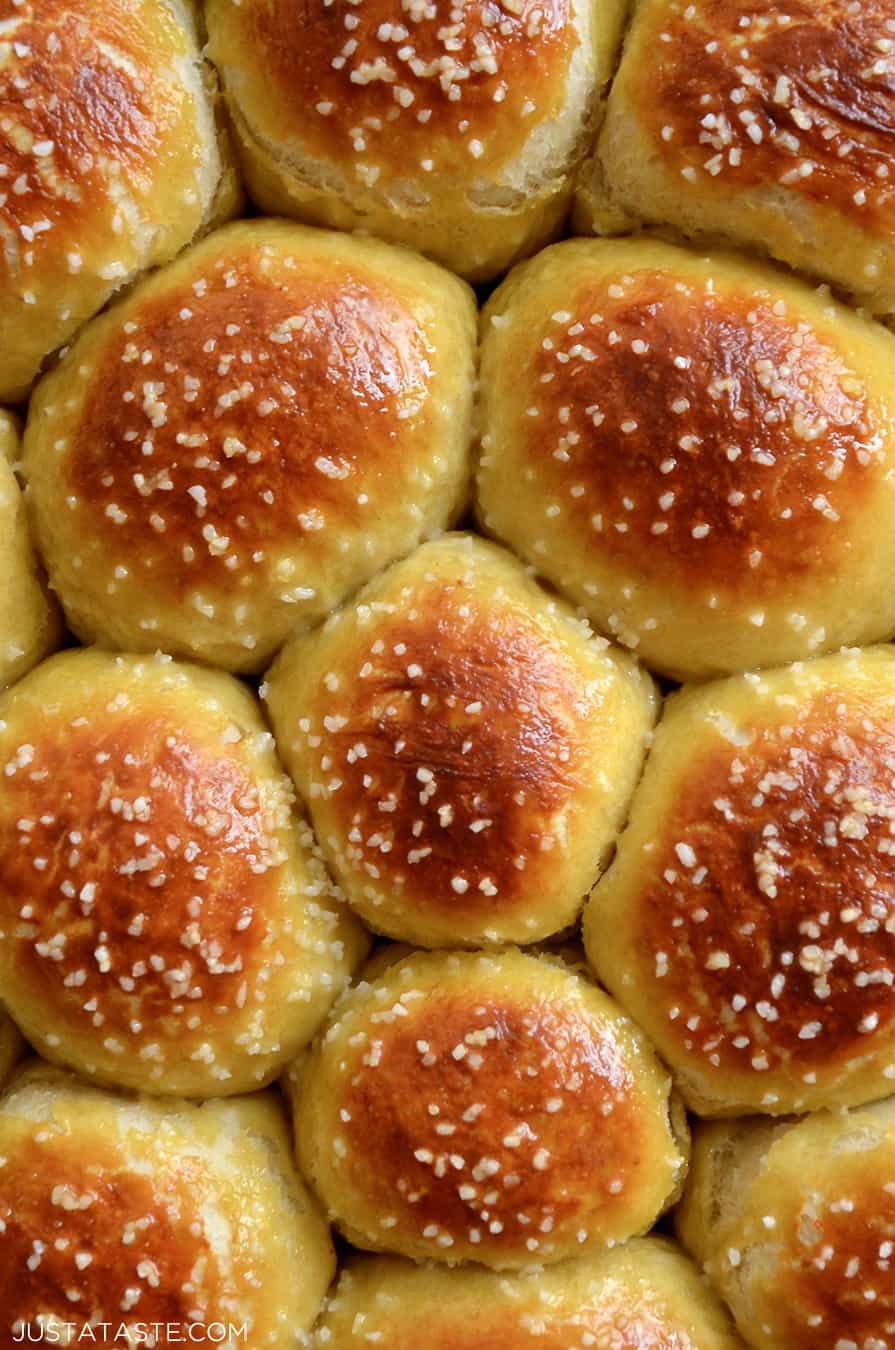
column 773, row 127
column 248, row 437
column 467, row 751
column 704, row 458
column 496, row 1108
column 453, row 129
column 794, row 1223
column 747, row 920
column 131, row 1213
column 9, row 437
column 110, row 161
column 29, row 620
column 644, row 1295
column 165, row 922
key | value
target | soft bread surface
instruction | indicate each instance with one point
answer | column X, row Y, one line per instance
column 453, row 130
column 248, row 437
column 746, row 921
column 644, row 1295
column 774, row 128
column 29, row 620
column 794, row 1224
column 697, row 450
column 133, row 1212
column 111, row 161
column 466, row 750
column 165, row 922
column 493, row 1108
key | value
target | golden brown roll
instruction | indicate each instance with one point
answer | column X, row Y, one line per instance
column 492, row 1108
column 746, row 922
column 111, row 161
column 771, row 126
column 697, row 450
column 9, row 437
column 466, row 750
column 133, row 1212
column 456, row 131
column 165, row 922
column 644, row 1295
column 248, row 437
column 794, row 1223
column 29, row 620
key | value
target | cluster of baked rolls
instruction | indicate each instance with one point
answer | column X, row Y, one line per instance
column 365, row 874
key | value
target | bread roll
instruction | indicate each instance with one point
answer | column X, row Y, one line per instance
column 9, row 437
column 644, row 1295
column 774, row 127
column 466, row 750
column 111, row 161
column 794, row 1223
column 29, row 620
column 697, row 450
column 165, row 922
column 248, row 437
column 496, row 1108
column 456, row 131
column 134, row 1212
column 746, row 922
